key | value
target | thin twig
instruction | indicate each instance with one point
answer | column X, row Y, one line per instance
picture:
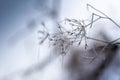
column 104, row 15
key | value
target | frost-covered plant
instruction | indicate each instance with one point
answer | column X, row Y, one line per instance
column 65, row 38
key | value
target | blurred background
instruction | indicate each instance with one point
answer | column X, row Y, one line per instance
column 20, row 21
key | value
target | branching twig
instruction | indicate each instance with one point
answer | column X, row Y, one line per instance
column 107, row 17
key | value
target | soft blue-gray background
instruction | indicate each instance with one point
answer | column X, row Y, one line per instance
column 19, row 23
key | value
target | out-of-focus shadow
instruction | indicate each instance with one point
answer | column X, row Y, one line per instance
column 50, row 8
column 22, row 33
